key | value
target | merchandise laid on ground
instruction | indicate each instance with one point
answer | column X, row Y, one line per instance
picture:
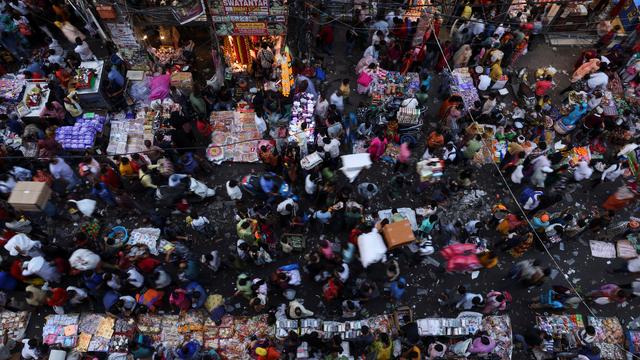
column 462, row 84
column 565, row 330
column 393, row 83
column 336, row 180
column 234, row 137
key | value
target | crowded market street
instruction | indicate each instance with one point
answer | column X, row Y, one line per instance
column 306, row 180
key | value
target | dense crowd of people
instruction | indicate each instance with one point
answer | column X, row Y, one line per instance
column 87, row 265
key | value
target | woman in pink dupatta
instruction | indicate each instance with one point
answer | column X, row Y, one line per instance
column 377, row 147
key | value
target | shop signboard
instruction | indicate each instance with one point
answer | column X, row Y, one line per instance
column 260, row 8
column 234, row 18
column 242, row 28
column 238, row 7
column 630, row 14
column 250, row 28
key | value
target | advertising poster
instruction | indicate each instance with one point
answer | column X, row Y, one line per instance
column 629, row 15
column 188, row 11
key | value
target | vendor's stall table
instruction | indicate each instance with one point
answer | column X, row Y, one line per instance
column 462, row 84
column 35, row 96
column 11, row 88
column 302, row 113
column 462, row 326
column 93, row 97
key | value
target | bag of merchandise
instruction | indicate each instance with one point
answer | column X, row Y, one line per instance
column 364, row 79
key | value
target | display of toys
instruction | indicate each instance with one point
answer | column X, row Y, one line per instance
column 84, row 78
column 34, row 97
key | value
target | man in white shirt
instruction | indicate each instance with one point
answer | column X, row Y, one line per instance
column 613, row 172
column 381, row 25
column 287, row 207
column 83, row 50
column 135, row 278
column 55, row 46
column 127, row 304
column 30, row 349
column 372, row 51
column 469, row 300
column 499, row 31
column 61, row 170
column 489, row 104
column 161, row 278
column 20, row 7
column 332, row 147
column 338, row 100
column 389, row 18
column 598, row 80
column 54, row 58
column 233, row 190
column 310, row 185
column 342, row 272
column 113, row 281
column 76, row 295
column 477, row 27
column 322, row 107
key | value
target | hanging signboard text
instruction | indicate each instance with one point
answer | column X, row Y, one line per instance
column 250, row 28
column 253, row 7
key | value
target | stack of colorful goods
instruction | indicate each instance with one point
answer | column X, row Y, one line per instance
column 302, row 113
column 61, row 330
column 82, row 134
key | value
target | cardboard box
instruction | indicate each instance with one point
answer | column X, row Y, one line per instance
column 398, row 234
column 182, row 80
column 30, row 196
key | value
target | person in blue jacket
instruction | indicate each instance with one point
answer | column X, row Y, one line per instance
column 188, row 350
column 197, row 293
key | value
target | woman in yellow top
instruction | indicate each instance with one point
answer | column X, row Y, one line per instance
column 345, row 88
column 125, row 168
column 488, row 259
column 496, row 71
column 413, row 353
column 382, row 347
column 466, row 11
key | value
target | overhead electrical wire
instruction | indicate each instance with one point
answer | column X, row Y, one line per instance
column 451, row 17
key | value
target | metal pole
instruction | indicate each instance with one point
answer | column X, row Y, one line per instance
column 212, row 31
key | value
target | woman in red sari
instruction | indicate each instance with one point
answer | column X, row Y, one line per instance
column 584, row 57
column 444, row 57
column 449, row 103
column 521, row 47
column 621, row 198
